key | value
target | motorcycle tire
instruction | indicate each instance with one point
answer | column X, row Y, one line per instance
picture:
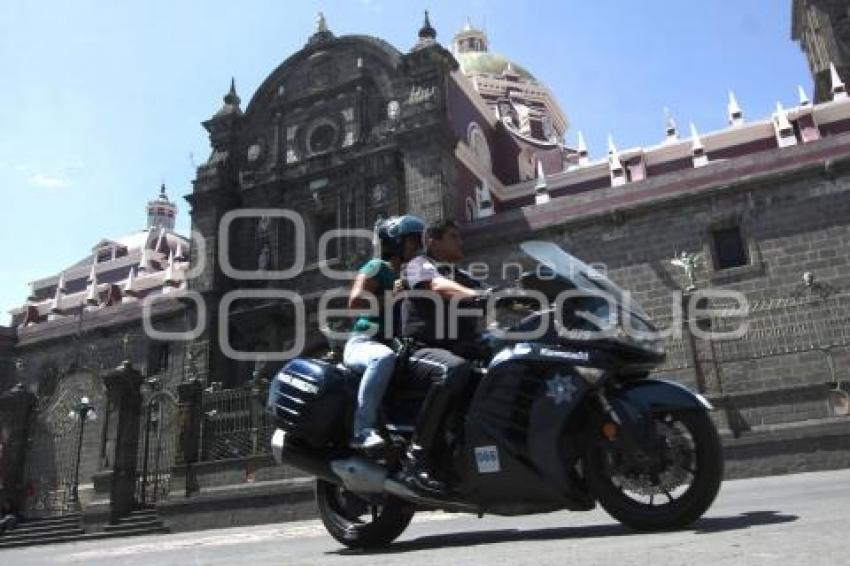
column 341, row 512
column 676, row 513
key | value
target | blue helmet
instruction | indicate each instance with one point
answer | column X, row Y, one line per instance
column 392, row 231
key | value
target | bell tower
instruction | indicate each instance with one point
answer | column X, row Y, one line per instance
column 822, row 27
column 161, row 211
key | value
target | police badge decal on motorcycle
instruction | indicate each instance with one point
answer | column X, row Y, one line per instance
column 561, row 389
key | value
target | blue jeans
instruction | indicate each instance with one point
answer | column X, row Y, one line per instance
column 377, row 362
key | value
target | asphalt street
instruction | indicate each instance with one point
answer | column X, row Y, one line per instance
column 798, row 519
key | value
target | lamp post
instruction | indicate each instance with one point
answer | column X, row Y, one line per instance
column 84, row 412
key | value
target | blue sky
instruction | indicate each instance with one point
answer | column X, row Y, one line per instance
column 100, row 102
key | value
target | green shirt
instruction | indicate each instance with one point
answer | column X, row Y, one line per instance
column 384, row 275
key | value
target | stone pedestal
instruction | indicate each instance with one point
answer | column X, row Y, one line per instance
column 16, row 406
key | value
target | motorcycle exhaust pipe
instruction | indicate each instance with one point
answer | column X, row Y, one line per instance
column 356, row 474
column 309, row 461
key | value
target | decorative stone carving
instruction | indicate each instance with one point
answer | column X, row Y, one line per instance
column 65, row 400
column 689, row 263
column 420, row 94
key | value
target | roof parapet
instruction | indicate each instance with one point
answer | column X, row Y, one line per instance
column 583, row 155
column 541, row 189
column 700, row 158
column 839, row 90
column 785, row 135
column 804, row 98
column 615, row 166
column 733, row 111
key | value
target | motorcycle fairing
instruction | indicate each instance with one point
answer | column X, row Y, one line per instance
column 522, row 407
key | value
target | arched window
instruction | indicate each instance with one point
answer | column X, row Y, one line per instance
column 479, row 146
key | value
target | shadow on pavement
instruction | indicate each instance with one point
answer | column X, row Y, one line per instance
column 702, row 526
column 744, row 520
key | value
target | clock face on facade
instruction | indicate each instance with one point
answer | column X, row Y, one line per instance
column 322, row 137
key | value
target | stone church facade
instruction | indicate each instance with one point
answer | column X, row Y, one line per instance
column 349, row 129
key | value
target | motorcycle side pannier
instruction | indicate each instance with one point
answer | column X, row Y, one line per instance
column 310, row 400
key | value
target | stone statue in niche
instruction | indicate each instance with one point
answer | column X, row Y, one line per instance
column 393, row 110
column 264, row 243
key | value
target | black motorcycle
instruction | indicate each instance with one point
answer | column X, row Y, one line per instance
column 559, row 421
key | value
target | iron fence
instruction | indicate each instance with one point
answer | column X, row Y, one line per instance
column 787, row 325
column 234, row 424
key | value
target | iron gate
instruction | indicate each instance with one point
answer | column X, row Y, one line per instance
column 158, row 437
column 52, row 445
column 235, row 425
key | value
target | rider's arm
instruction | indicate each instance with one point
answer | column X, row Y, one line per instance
column 361, row 288
column 422, row 273
column 448, row 288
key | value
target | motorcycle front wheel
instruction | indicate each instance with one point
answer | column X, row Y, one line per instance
column 659, row 497
column 357, row 522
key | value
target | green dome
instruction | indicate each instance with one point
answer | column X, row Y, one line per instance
column 472, row 62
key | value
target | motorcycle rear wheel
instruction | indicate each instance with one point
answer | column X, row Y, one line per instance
column 358, row 523
column 692, row 451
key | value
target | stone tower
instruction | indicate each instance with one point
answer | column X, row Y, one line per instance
column 823, row 29
column 344, row 131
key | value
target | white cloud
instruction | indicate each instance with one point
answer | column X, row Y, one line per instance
column 47, row 181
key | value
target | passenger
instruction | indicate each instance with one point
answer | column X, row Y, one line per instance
column 366, row 350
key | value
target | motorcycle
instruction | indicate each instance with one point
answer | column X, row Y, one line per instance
column 559, row 421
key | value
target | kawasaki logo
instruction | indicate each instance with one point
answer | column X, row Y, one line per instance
column 579, row 356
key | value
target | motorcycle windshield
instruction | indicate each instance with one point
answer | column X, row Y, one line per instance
column 581, row 275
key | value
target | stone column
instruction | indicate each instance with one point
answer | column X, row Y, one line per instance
column 16, row 407
column 189, row 408
column 123, row 386
column 689, row 343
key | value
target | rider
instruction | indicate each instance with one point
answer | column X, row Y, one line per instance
column 400, row 239
column 436, row 360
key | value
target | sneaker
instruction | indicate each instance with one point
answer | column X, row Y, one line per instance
column 367, row 440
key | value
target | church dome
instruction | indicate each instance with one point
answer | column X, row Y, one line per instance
column 487, row 62
column 471, row 48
